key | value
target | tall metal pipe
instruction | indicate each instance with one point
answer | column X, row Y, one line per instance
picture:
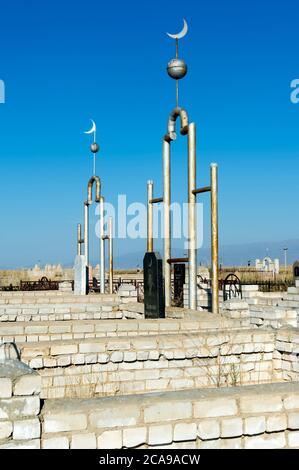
column 79, row 240
column 102, row 247
column 110, row 234
column 214, row 237
column 167, row 221
column 150, row 245
column 86, row 221
column 192, row 217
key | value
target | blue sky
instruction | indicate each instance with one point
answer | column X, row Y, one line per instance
column 66, row 62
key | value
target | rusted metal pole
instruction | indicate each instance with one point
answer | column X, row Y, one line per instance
column 86, row 221
column 79, row 241
column 167, row 222
column 102, row 247
column 214, row 237
column 150, row 245
column 110, row 234
column 192, row 216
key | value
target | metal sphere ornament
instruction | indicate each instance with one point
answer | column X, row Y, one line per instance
column 94, row 147
column 177, row 69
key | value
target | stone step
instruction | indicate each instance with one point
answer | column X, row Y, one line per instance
column 58, row 299
column 34, row 331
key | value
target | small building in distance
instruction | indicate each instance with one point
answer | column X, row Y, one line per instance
column 267, row 265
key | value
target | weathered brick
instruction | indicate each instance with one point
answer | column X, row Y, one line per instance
column 29, row 384
column 64, row 422
column 60, row 442
column 254, row 425
column 16, row 407
column 160, row 434
column 115, row 417
column 61, row 349
column 264, row 404
column 265, row 441
column 26, row 429
column 167, row 411
column 5, row 387
column 215, row 407
column 208, row 429
column 185, row 432
column 231, row 427
column 92, row 347
column 277, row 422
column 83, row 441
column 5, row 429
column 133, row 437
column 110, row 440
column 293, row 420
column 293, row 439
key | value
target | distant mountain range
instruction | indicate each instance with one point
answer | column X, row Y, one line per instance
column 229, row 255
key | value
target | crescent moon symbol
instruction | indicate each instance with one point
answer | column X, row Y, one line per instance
column 181, row 34
column 93, row 129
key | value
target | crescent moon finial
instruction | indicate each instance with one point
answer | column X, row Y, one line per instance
column 93, row 129
column 181, row 34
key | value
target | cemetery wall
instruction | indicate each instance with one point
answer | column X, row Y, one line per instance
column 165, row 360
column 215, row 419
column 19, row 406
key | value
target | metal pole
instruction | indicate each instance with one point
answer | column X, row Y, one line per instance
column 79, row 239
column 214, row 237
column 102, row 247
column 192, row 216
column 86, row 247
column 110, row 234
column 167, row 222
column 285, row 259
column 150, row 246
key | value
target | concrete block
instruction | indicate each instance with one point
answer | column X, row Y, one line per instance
column 26, row 429
column 5, row 429
column 29, row 384
column 231, row 427
column 293, row 439
column 276, row 422
column 64, row 349
column 167, row 411
column 63, row 422
column 254, row 425
column 5, row 387
column 133, row 437
column 215, row 407
column 293, row 421
column 18, row 407
column 185, row 432
column 264, row 404
column 265, row 441
column 208, row 429
column 160, row 434
column 110, row 440
column 115, row 417
column 84, row 441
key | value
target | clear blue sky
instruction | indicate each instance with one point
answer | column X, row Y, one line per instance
column 65, row 62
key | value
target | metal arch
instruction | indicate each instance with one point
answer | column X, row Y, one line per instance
column 234, row 285
column 97, row 181
column 177, row 112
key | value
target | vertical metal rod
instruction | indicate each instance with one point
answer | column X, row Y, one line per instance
column 79, row 239
column 214, row 237
column 167, row 222
column 102, row 247
column 192, row 217
column 86, row 221
column 150, row 246
column 110, row 234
